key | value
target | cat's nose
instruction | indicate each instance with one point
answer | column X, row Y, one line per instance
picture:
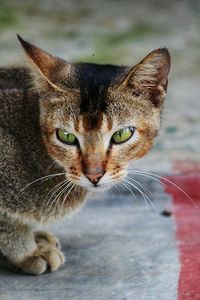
column 94, row 178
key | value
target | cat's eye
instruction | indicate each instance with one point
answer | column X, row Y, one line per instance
column 122, row 135
column 67, row 138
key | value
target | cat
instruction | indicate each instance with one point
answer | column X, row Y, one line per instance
column 66, row 129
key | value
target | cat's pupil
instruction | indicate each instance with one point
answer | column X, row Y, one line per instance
column 122, row 135
column 65, row 137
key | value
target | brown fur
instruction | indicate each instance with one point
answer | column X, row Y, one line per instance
column 88, row 100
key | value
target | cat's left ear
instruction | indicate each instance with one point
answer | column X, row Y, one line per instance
column 150, row 76
column 46, row 67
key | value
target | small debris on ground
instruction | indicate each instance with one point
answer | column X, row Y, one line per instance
column 166, row 213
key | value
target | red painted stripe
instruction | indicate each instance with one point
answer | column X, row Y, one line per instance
column 187, row 218
column 187, row 167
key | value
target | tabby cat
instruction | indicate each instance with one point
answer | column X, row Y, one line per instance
column 66, row 129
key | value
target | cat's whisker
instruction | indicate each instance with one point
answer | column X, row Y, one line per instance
column 51, row 165
column 147, row 175
column 54, row 201
column 117, row 186
column 155, row 177
column 132, row 193
column 66, row 186
column 76, row 186
column 73, row 184
column 114, row 185
column 144, row 189
column 145, row 197
column 140, row 192
column 141, row 185
column 56, row 189
column 44, row 178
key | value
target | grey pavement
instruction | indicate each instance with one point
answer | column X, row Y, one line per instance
column 116, row 248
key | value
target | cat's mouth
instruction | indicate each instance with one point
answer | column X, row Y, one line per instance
column 94, row 183
column 98, row 187
column 103, row 183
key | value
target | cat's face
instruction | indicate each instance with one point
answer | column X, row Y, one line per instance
column 96, row 119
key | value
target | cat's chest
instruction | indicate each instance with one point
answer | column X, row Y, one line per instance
column 50, row 201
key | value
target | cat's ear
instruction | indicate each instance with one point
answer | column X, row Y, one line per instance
column 46, row 68
column 150, row 76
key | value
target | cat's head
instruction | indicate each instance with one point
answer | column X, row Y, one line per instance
column 95, row 119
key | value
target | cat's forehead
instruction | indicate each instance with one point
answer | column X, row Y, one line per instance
column 95, row 100
column 88, row 93
column 89, row 74
column 86, row 124
column 93, row 82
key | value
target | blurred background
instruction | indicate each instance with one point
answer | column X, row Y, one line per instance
column 122, row 32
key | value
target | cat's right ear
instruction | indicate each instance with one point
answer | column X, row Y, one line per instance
column 46, row 68
column 150, row 76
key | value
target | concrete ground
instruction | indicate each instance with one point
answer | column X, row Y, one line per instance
column 116, row 248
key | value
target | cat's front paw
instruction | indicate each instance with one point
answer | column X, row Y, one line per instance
column 43, row 237
column 47, row 257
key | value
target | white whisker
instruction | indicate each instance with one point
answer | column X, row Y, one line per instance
column 56, row 189
column 73, row 184
column 59, row 194
column 132, row 193
column 140, row 192
column 140, row 184
column 145, row 197
column 155, row 177
column 51, row 165
column 44, row 178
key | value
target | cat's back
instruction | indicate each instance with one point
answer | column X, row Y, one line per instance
column 22, row 154
column 23, row 157
column 14, row 77
column 14, row 83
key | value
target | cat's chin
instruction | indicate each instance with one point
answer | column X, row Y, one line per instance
column 98, row 188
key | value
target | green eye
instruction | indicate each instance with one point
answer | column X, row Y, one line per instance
column 122, row 135
column 66, row 137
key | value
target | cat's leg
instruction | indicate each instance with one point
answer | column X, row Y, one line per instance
column 33, row 253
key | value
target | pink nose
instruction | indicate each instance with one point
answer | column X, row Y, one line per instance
column 94, row 178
